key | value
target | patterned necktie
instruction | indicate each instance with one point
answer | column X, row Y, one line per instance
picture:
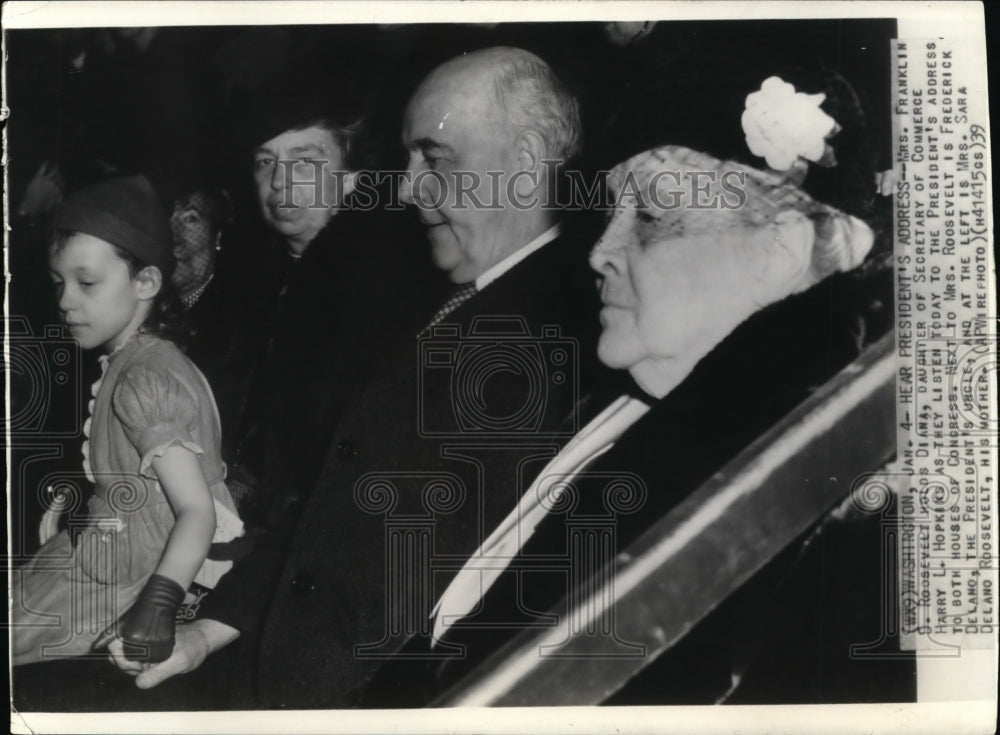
column 461, row 293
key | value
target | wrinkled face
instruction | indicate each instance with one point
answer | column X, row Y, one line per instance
column 300, row 182
column 669, row 276
column 195, row 240
column 461, row 159
column 97, row 297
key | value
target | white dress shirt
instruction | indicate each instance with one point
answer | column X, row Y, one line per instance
column 514, row 258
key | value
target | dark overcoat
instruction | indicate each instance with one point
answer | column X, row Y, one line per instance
column 433, row 451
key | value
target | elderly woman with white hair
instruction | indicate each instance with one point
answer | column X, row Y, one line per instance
column 730, row 293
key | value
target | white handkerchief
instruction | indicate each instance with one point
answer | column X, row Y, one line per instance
column 495, row 554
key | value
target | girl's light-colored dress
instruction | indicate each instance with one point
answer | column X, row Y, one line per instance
column 149, row 397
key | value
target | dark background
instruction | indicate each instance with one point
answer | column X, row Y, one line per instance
column 181, row 110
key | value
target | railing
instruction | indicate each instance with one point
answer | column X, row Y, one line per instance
column 733, row 525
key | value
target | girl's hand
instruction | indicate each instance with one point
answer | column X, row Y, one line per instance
column 146, row 631
column 194, row 642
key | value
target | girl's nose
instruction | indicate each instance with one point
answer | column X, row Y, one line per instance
column 66, row 301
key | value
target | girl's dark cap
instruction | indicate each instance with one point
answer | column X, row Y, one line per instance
column 126, row 212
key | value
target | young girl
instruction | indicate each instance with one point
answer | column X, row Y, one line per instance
column 152, row 445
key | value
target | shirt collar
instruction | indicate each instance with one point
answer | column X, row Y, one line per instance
column 514, row 258
column 132, row 339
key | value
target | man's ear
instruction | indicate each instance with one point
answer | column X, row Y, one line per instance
column 148, row 283
column 787, row 244
column 530, row 158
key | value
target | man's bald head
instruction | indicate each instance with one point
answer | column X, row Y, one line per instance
column 483, row 131
column 519, row 90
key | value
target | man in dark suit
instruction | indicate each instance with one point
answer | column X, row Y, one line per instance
column 437, row 447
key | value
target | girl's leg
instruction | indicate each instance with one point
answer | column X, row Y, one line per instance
column 58, row 610
column 43, row 605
